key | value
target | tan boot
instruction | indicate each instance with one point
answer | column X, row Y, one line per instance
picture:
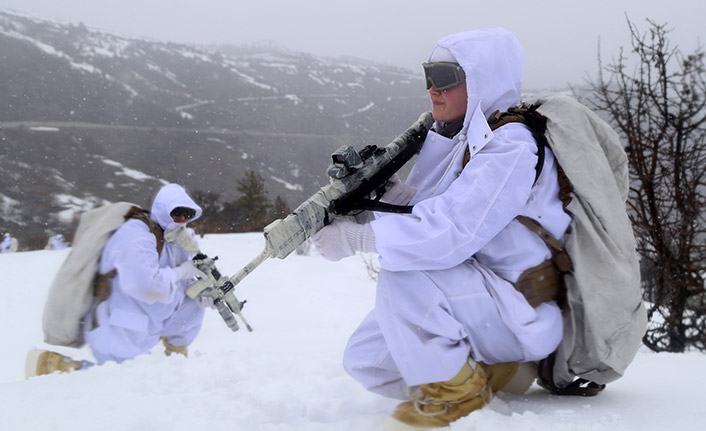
column 41, row 362
column 511, row 377
column 171, row 348
column 436, row 405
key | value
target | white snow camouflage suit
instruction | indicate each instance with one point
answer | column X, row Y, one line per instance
column 147, row 301
column 444, row 291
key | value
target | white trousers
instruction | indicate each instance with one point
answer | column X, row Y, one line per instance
column 426, row 324
column 112, row 340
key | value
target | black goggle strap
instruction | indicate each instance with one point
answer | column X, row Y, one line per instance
column 443, row 75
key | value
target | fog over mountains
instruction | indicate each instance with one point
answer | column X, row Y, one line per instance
column 89, row 117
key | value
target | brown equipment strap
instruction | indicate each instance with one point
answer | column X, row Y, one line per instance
column 101, row 283
column 541, row 283
column 544, row 282
column 559, row 256
column 101, row 290
column 497, row 119
column 144, row 216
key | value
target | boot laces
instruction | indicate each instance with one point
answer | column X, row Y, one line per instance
column 420, row 401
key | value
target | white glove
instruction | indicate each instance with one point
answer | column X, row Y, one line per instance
column 204, row 301
column 342, row 238
column 400, row 193
column 187, row 271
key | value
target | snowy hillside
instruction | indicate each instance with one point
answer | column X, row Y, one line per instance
column 132, row 113
column 287, row 374
column 70, row 72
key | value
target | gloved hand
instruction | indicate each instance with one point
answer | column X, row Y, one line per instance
column 342, row 238
column 204, row 301
column 400, row 193
column 187, row 271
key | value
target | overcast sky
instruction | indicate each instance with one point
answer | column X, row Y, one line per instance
column 560, row 37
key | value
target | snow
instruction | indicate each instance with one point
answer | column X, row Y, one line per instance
column 44, row 129
column 363, row 109
column 251, row 80
column 287, row 373
column 74, row 205
column 50, row 50
column 287, row 185
column 131, row 173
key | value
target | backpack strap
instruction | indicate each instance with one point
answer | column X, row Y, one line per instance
column 144, row 216
column 559, row 255
column 544, row 282
column 527, row 115
column 101, row 291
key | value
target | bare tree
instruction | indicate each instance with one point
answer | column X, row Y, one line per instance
column 658, row 105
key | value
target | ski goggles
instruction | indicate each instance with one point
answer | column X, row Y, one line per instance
column 443, row 75
column 189, row 213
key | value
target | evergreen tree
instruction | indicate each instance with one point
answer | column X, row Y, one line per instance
column 211, row 218
column 280, row 209
column 253, row 205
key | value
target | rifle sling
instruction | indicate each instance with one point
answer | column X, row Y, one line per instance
column 375, row 205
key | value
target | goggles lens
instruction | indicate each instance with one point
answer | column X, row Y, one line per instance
column 189, row 213
column 443, row 75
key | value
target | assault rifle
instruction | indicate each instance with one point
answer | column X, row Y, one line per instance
column 354, row 176
column 219, row 289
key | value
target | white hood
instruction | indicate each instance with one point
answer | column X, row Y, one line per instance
column 493, row 61
column 168, row 198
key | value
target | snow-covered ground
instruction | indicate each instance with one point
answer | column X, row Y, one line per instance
column 287, row 373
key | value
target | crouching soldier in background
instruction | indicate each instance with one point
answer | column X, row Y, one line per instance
column 8, row 244
column 56, row 242
column 139, row 290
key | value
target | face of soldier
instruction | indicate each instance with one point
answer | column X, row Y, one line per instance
column 449, row 104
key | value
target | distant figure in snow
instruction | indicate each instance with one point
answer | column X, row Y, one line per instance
column 143, row 281
column 56, row 242
column 8, row 244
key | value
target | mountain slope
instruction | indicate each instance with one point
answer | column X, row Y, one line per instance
column 89, row 117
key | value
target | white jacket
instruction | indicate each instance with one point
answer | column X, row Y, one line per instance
column 463, row 212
